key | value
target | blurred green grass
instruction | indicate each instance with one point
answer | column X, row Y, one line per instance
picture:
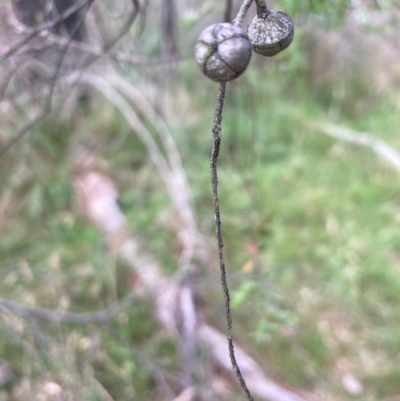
column 323, row 217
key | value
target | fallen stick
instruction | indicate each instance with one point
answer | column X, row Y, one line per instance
column 380, row 147
column 174, row 305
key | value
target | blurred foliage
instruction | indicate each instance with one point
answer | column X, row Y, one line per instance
column 311, row 224
column 330, row 11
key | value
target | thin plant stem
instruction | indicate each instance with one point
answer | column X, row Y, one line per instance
column 228, row 11
column 262, row 9
column 216, row 130
column 242, row 12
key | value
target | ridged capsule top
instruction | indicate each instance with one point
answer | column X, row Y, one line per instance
column 271, row 34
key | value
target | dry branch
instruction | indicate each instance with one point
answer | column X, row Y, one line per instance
column 174, row 305
column 378, row 146
column 186, row 395
column 252, row 372
column 41, row 28
column 55, row 316
column 216, row 143
column 84, row 49
column 169, row 166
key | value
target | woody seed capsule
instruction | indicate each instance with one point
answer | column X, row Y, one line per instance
column 223, row 51
column 271, row 33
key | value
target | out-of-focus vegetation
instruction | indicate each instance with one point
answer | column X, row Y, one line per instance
column 311, row 224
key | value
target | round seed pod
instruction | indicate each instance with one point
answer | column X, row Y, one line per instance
column 223, row 52
column 271, row 33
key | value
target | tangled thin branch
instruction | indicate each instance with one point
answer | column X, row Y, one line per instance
column 216, row 130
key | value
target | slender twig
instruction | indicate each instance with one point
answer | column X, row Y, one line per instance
column 93, row 50
column 124, row 30
column 126, row 27
column 45, row 26
column 262, row 9
column 49, row 315
column 143, row 17
column 216, row 130
column 380, row 147
column 52, row 24
column 242, row 12
column 228, row 11
column 27, row 128
column 48, row 103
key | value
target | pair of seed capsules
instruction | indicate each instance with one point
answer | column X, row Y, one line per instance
column 223, row 51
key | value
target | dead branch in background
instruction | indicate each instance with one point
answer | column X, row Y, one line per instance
column 27, row 128
column 175, row 308
column 168, row 27
column 97, row 51
column 169, row 167
column 55, row 316
column 189, row 234
column 126, row 27
column 26, row 45
column 143, row 16
column 53, row 76
column 381, row 148
column 45, row 26
column 186, row 395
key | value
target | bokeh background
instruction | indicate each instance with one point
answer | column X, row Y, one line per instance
column 112, row 136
